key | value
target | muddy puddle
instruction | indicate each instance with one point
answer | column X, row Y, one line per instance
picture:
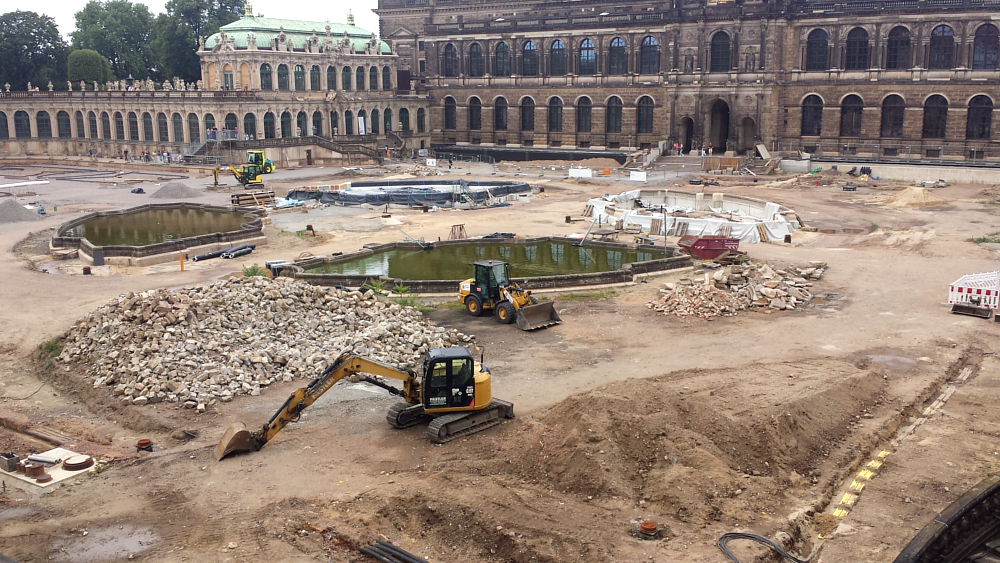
column 115, row 542
column 843, row 231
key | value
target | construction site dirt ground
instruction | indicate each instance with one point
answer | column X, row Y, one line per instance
column 749, row 423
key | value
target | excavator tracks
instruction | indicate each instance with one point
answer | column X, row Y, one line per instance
column 448, row 427
column 405, row 415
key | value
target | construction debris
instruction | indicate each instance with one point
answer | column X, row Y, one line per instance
column 726, row 291
column 235, row 337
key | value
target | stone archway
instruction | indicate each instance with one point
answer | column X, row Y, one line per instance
column 718, row 129
column 687, row 134
column 745, row 135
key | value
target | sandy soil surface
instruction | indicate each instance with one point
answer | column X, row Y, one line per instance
column 750, row 423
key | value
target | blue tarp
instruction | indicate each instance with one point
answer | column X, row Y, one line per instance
column 413, row 193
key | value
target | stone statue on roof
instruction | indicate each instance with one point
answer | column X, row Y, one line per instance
column 328, row 30
column 201, row 43
column 69, row 85
column 252, row 42
column 345, row 44
column 372, row 47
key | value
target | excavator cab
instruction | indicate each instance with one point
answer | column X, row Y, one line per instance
column 451, row 382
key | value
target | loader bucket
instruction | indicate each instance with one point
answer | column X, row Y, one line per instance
column 236, row 439
column 971, row 310
column 537, row 316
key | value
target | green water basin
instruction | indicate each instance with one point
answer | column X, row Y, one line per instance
column 452, row 261
column 158, row 225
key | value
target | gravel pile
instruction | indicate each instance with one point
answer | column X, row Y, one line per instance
column 738, row 288
column 13, row 212
column 176, row 190
column 235, row 337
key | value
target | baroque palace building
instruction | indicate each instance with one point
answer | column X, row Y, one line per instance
column 262, row 78
column 882, row 79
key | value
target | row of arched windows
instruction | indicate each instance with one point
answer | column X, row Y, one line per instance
column 978, row 124
column 941, row 49
column 350, row 79
column 584, row 114
column 530, row 61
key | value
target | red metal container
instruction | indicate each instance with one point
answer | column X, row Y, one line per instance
column 708, row 247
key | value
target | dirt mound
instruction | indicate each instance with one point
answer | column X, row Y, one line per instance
column 13, row 212
column 176, row 190
column 916, row 197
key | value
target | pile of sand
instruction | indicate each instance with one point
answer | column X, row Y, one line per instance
column 13, row 212
column 916, row 197
column 176, row 190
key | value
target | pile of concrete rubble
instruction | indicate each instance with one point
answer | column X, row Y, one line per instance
column 234, row 337
column 735, row 288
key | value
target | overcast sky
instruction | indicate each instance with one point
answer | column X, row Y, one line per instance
column 335, row 11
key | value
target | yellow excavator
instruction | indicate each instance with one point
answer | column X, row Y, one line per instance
column 248, row 174
column 454, row 394
column 491, row 288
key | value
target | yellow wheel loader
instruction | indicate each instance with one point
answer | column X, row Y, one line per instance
column 257, row 157
column 454, row 393
column 491, row 288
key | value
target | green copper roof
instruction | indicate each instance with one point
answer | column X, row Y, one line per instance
column 297, row 33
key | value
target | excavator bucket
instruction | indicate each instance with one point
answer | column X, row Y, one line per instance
column 537, row 316
column 971, row 310
column 236, row 439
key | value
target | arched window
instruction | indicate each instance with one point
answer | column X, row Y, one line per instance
column 300, row 78
column 387, row 120
column 812, row 116
column 283, row 77
column 209, row 121
column 373, row 78
column 331, row 78
column 501, row 62
column 133, row 126
column 232, row 122
column 644, row 115
column 250, row 125
column 270, row 131
column 649, row 56
column 120, row 126
column 583, row 115
column 404, row 119
column 265, row 77
column 527, row 114
column 105, row 125
column 345, row 78
column 942, row 48
column 529, row 59
column 555, row 115
column 557, row 58
column 850, row 116
column 386, row 78
column 314, row 79
column 301, row 125
column 613, row 121
column 721, row 55
column 897, row 49
column 92, row 126
column 147, row 128
column 477, row 66
column 817, row 50
column 317, row 123
column 44, row 125
column 63, row 129
column 450, row 60
column 500, row 114
column 475, row 115
column 286, row 125
column 588, row 58
column 161, row 128
column 359, row 83
column 4, row 131
column 979, row 124
column 617, row 58
column 422, row 120
column 348, row 123
column 893, row 108
column 935, row 117
column 81, row 127
column 373, row 126
column 363, row 119
column 22, row 125
column 857, row 50
column 334, row 123
column 450, row 113
column 985, row 47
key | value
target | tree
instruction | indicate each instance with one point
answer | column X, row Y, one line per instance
column 205, row 17
column 88, row 65
column 31, row 50
column 119, row 30
column 175, row 42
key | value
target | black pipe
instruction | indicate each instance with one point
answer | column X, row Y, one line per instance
column 404, row 555
column 377, row 555
column 218, row 253
column 243, row 250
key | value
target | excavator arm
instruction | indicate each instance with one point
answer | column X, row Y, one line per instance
column 238, row 439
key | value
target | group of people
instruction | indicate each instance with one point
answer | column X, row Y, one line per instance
column 705, row 151
column 144, row 156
